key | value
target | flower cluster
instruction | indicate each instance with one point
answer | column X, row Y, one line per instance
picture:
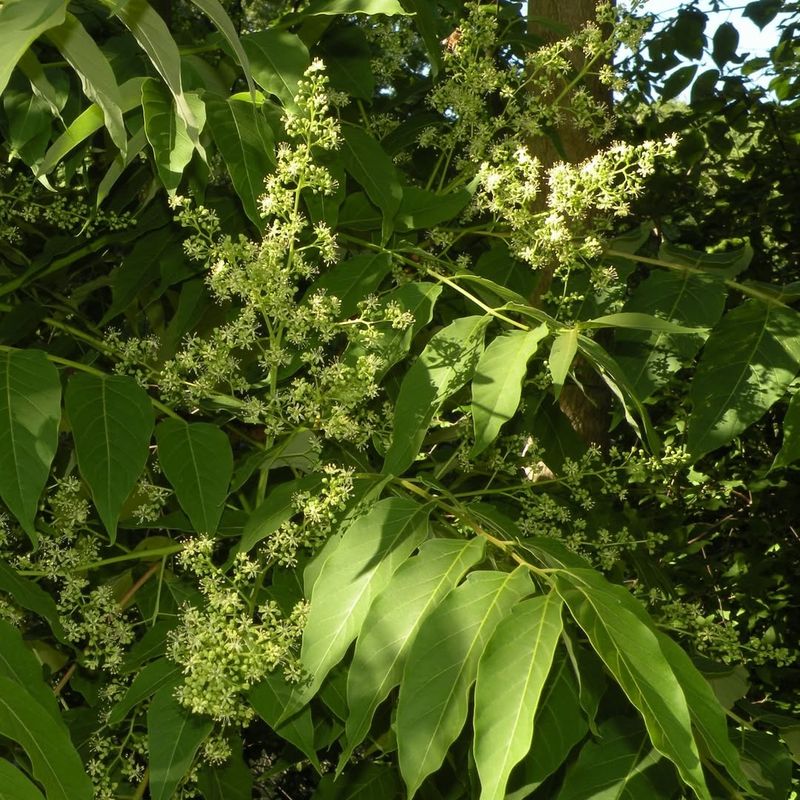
column 233, row 641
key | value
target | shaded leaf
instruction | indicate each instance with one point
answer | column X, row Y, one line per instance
column 352, row 280
column 421, row 208
column 54, row 761
column 174, row 735
column 747, row 364
column 247, row 145
column 14, row 784
column 147, row 682
column 30, row 412
column 231, row 781
column 96, row 75
column 790, row 446
column 497, row 383
column 270, row 700
column 112, row 421
column 31, row 596
column 619, row 765
column 511, row 675
column 441, row 667
column 197, row 460
column 444, row 366
column 391, row 623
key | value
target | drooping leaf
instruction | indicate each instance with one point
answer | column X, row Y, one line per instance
column 96, row 75
column 174, row 736
column 630, row 650
column 154, row 37
column 637, row 321
column 22, row 22
column 391, row 623
column 148, row 681
column 356, row 571
column 198, row 462
column 747, row 364
column 366, row 781
column 768, row 764
column 54, row 761
column 444, row 366
column 622, row 764
column 112, row 421
column 686, row 298
column 19, row 664
column 246, row 143
column 14, row 784
column 370, row 165
column 497, row 384
column 30, row 411
column 167, row 132
column 270, row 700
column 511, row 675
column 278, row 60
column 562, row 354
column 32, row 597
column 441, row 667
column 421, row 208
column 134, row 147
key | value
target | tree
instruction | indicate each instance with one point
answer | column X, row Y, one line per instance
column 294, row 301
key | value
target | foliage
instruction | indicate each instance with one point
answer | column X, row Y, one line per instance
column 353, row 446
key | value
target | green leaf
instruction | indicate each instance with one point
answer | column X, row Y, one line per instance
column 86, row 123
column 790, row 446
column 30, row 412
column 391, row 623
column 356, row 571
column 247, row 145
column 112, row 421
column 330, row 7
column 31, row 597
column 374, row 170
column 367, row 781
column 19, row 664
column 120, row 163
column 562, row 354
column 14, row 785
column 497, row 384
column 726, row 40
column 270, row 700
column 154, row 37
column 620, row 765
column 444, row 366
column 768, row 763
column 198, row 461
column 558, row 726
column 441, row 667
column 147, row 682
column 352, row 280
column 720, row 265
column 708, row 715
column 637, row 321
column 511, row 675
column 215, row 11
column 630, row 650
column 421, row 208
column 748, row 362
column 22, row 22
column 685, row 298
column 54, row 761
column 276, row 509
column 167, row 132
column 231, row 781
column 278, row 60
column 96, row 75
column 174, row 736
